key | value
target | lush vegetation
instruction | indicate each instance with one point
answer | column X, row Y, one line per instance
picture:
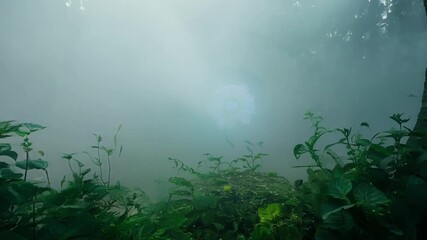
column 376, row 190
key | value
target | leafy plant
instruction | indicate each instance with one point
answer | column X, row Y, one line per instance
column 101, row 152
column 251, row 161
column 19, row 199
column 361, row 196
column 377, row 191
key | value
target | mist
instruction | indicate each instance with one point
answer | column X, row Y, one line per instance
column 154, row 67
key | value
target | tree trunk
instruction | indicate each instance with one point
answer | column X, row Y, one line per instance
column 419, row 139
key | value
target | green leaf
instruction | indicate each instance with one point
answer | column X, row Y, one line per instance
column 299, row 149
column 398, row 118
column 33, row 127
column 6, row 150
column 4, row 165
column 32, row 164
column 339, row 188
column 362, row 142
column 262, row 232
column 271, row 212
column 7, row 173
column 340, row 220
column 331, row 205
column 98, row 137
column 121, row 150
column 108, row 151
column 181, row 182
column 5, row 147
column 218, row 226
column 68, row 156
column 115, row 135
column 24, row 129
column 181, row 193
column 369, row 196
column 80, row 164
column 86, row 171
column 378, row 152
column 11, row 154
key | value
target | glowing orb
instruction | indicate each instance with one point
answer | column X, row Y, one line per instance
column 232, row 104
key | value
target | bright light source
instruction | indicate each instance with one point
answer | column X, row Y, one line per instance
column 232, row 104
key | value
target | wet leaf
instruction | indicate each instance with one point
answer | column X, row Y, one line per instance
column 369, row 196
column 181, row 182
column 339, row 188
column 299, row 149
column 32, row 164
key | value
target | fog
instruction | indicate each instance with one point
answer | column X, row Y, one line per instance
column 155, row 65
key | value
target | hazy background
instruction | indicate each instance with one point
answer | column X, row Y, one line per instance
column 153, row 65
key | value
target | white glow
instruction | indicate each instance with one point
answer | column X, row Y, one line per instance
column 232, row 104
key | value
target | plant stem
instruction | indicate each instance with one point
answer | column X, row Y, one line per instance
column 47, row 176
column 109, row 170
column 100, row 164
column 69, row 165
column 34, row 220
column 26, row 165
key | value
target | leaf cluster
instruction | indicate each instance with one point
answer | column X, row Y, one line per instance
column 366, row 193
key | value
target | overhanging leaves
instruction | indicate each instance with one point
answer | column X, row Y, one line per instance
column 339, row 188
column 369, row 196
column 299, row 150
column 32, row 164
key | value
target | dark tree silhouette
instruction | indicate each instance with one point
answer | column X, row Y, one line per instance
column 421, row 125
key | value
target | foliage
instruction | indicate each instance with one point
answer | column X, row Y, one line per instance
column 376, row 191
column 84, row 208
column 367, row 193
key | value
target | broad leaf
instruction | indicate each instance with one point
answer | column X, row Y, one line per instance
column 369, row 196
column 299, row 150
column 32, row 164
column 181, row 182
column 181, row 193
column 6, row 150
column 339, row 188
column 26, row 128
column 271, row 212
column 340, row 220
column 6, row 173
column 331, row 205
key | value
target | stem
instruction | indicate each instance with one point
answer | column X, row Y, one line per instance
column 34, row 220
column 100, row 164
column 47, row 176
column 26, row 165
column 69, row 165
column 109, row 170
